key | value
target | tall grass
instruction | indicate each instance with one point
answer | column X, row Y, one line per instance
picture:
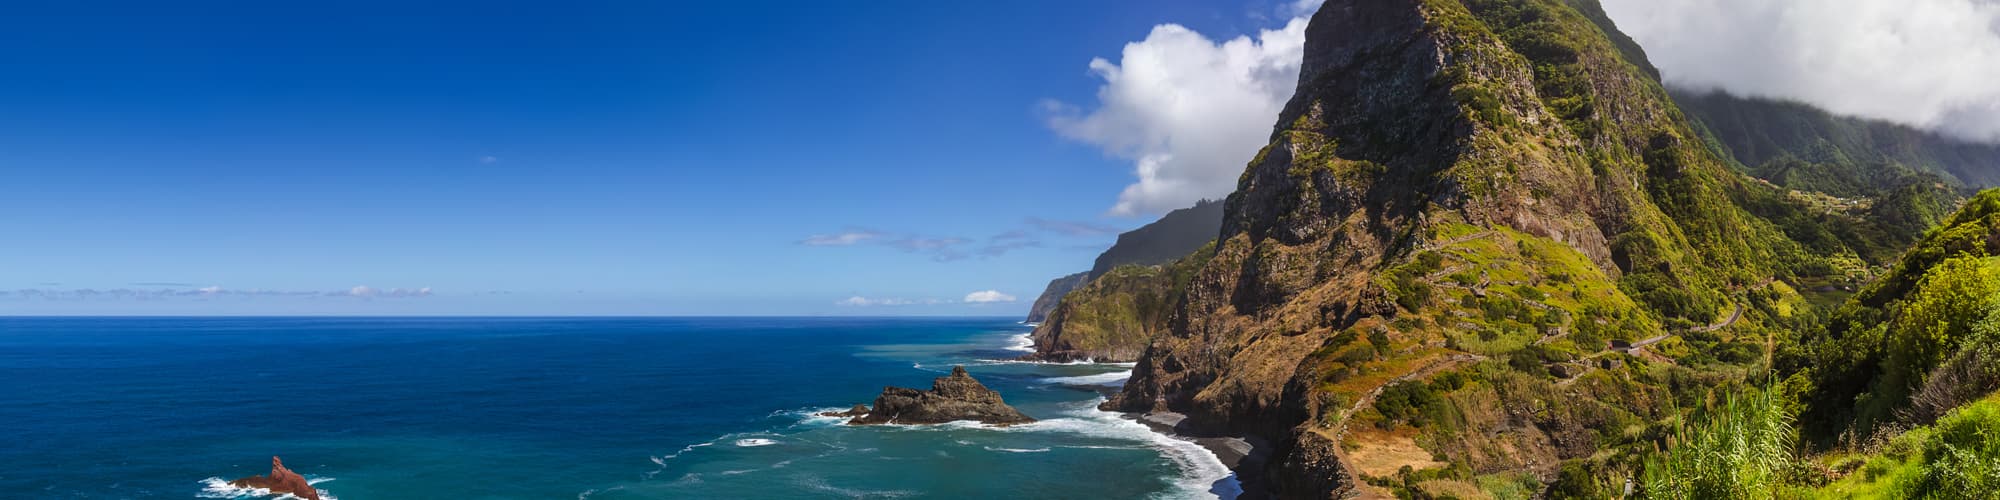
column 1739, row 449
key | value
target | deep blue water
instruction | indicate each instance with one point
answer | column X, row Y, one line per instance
column 603, row 408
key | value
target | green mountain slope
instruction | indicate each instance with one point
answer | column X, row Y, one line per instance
column 1162, row 241
column 1918, row 341
column 1425, row 282
column 1786, row 142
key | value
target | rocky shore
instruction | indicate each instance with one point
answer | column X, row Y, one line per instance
column 1244, row 456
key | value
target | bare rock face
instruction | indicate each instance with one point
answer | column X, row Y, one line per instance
column 954, row 397
column 281, row 481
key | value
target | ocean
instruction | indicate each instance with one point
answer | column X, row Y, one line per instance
column 585, row 408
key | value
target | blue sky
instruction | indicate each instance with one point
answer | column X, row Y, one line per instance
column 618, row 158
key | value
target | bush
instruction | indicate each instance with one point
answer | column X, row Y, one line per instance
column 1415, row 402
column 1959, row 458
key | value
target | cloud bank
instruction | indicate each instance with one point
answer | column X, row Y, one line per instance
column 979, row 297
column 1187, row 111
column 1932, row 64
column 987, row 297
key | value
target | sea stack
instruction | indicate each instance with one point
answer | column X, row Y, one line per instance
column 281, row 481
column 953, row 397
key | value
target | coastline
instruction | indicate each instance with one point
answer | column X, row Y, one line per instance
column 1239, row 454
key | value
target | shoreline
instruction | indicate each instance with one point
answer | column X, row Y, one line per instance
column 1236, row 453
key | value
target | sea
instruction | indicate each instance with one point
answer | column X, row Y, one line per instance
column 557, row 408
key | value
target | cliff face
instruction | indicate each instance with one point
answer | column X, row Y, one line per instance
column 1163, row 241
column 1053, row 294
column 1173, row 236
column 1453, row 181
column 1112, row 318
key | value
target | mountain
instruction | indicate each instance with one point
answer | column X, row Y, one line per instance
column 1876, row 184
column 1917, row 342
column 1484, row 250
column 1171, row 237
column 1053, row 294
column 1788, row 142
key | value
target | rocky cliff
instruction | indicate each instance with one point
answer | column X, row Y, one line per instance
column 1053, row 294
column 1173, row 236
column 952, row 398
column 282, row 481
column 1112, row 318
column 1459, row 207
column 1163, row 241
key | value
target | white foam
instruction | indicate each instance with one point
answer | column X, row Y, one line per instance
column 587, row 493
column 754, row 442
column 1113, row 379
column 1022, row 343
column 1059, row 363
column 1202, row 473
column 216, row 487
column 662, row 459
column 1016, row 450
column 813, row 417
column 815, row 483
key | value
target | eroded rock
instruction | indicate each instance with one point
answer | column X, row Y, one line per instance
column 952, row 398
column 281, row 481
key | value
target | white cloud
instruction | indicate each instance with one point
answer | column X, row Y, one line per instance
column 987, row 296
column 843, row 238
column 859, row 301
column 1189, row 112
column 489, row 160
column 1073, row 228
column 369, row 292
column 1928, row 63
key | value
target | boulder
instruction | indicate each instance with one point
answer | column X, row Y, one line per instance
column 954, row 397
column 856, row 411
column 281, row 481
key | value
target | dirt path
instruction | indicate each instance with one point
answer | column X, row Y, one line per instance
column 1340, row 429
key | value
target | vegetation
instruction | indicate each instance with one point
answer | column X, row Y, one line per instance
column 1569, row 293
column 1739, row 448
column 1959, row 457
column 1882, row 346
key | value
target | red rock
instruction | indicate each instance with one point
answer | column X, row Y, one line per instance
column 281, row 481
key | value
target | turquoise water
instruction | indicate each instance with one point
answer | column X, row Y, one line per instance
column 387, row 408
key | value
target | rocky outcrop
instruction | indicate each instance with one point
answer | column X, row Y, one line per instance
column 952, row 398
column 1053, row 295
column 282, row 481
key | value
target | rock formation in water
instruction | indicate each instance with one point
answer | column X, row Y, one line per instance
column 952, row 398
column 856, row 411
column 282, row 481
